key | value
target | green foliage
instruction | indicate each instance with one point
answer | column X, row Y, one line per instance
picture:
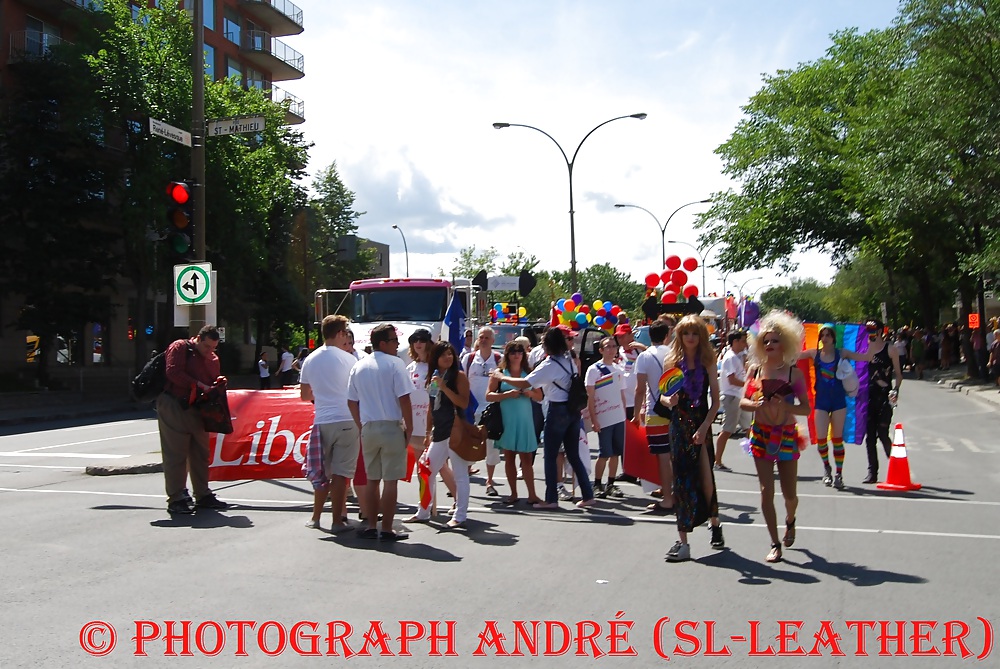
column 804, row 298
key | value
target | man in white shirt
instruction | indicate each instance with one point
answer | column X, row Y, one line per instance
column 732, row 375
column 285, row 374
column 606, row 405
column 265, row 371
column 378, row 396
column 648, row 369
column 478, row 364
column 324, row 382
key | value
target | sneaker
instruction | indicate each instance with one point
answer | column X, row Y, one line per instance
column 614, row 491
column 871, row 478
column 719, row 467
column 679, row 553
column 827, row 476
column 626, row 478
column 313, row 525
column 600, row 490
column 564, row 495
column 838, row 482
column 717, row 540
column 181, row 507
column 210, row 501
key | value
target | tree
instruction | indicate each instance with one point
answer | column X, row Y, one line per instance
column 804, row 298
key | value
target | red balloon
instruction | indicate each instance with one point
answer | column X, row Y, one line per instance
column 691, row 291
column 690, row 264
column 668, row 297
column 602, row 312
column 673, row 262
column 665, row 276
column 680, row 277
column 584, row 309
column 652, row 280
column 615, row 310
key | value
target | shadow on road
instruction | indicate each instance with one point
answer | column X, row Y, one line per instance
column 406, row 549
column 848, row 572
column 205, row 519
column 755, row 572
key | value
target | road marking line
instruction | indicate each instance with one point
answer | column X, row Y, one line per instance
column 873, row 497
column 95, row 456
column 971, row 445
column 863, row 530
column 942, row 446
column 89, row 441
column 4, row 464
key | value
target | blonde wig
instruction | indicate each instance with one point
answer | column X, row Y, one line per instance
column 706, row 352
column 789, row 330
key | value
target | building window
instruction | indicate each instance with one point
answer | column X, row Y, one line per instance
column 210, row 61
column 231, row 25
column 255, row 79
column 208, row 7
column 39, row 36
column 233, row 69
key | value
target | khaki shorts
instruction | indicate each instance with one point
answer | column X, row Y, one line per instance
column 383, row 444
column 340, row 448
column 734, row 416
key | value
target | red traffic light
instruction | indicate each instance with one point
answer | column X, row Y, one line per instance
column 179, row 192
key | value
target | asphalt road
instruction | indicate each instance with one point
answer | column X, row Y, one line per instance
column 77, row 549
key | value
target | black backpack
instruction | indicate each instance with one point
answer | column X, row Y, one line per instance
column 577, row 391
column 151, row 381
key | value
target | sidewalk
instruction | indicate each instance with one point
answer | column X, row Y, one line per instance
column 955, row 379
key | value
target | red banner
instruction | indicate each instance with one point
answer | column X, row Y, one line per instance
column 269, row 440
column 638, row 461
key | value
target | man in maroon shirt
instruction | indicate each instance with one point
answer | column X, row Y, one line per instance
column 192, row 365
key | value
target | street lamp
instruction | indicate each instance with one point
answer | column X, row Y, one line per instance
column 569, row 168
column 756, row 278
column 405, row 250
column 704, row 259
column 761, row 290
column 663, row 228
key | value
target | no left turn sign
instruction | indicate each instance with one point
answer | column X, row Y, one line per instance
column 193, row 284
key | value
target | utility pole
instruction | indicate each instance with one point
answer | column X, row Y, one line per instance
column 197, row 313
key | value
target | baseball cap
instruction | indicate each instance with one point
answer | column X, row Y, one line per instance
column 420, row 334
column 566, row 330
column 623, row 329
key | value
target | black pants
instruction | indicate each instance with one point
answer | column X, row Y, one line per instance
column 265, row 383
column 879, row 419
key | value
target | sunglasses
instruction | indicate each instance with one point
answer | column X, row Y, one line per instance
column 516, row 350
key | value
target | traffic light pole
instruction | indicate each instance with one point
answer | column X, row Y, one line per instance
column 197, row 313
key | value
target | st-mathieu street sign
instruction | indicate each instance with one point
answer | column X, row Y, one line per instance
column 235, row 125
column 193, row 284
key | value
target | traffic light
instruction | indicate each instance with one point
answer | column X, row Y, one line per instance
column 180, row 217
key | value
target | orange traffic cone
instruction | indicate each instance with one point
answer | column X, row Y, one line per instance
column 899, row 467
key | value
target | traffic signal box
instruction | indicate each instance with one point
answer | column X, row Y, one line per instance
column 180, row 217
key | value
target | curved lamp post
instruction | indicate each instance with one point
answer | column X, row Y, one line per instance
column 405, row 250
column 569, row 167
column 663, row 227
column 756, row 278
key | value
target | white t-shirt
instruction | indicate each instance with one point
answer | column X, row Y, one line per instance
column 478, row 371
column 265, row 370
column 626, row 363
column 552, row 373
column 536, row 355
column 326, row 371
column 376, row 383
column 286, row 361
column 419, row 399
column 732, row 363
column 650, row 363
column 606, row 380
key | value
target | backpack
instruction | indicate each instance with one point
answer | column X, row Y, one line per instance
column 577, row 391
column 472, row 354
column 151, row 381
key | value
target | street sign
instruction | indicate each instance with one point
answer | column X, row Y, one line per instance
column 235, row 125
column 973, row 321
column 193, row 284
column 161, row 129
column 502, row 283
column 182, row 312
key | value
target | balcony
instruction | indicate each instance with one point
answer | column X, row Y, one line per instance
column 32, row 45
column 55, row 8
column 295, row 108
column 281, row 17
column 271, row 55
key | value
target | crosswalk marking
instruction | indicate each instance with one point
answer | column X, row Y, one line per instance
column 971, row 445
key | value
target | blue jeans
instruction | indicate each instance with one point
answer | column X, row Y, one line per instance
column 562, row 428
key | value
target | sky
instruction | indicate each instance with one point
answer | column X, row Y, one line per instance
column 403, row 97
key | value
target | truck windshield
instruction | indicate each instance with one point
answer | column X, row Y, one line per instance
column 400, row 304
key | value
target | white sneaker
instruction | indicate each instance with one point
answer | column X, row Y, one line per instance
column 679, row 552
column 313, row 525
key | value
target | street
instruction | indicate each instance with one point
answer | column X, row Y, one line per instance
column 78, row 549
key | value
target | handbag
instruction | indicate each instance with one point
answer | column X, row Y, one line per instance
column 468, row 440
column 492, row 420
column 213, row 407
column 848, row 377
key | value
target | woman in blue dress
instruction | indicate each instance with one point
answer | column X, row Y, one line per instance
column 519, row 438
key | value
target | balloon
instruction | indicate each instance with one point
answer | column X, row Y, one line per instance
column 599, row 321
column 673, row 262
column 570, row 305
column 607, row 305
column 613, row 320
column 691, row 291
column 493, row 313
column 668, row 297
column 578, row 298
column 498, row 306
column 679, row 277
column 690, row 264
column 652, row 280
column 522, row 312
column 584, row 309
column 575, row 325
column 615, row 310
column 602, row 312
column 665, row 276
column 561, row 304
column 598, row 304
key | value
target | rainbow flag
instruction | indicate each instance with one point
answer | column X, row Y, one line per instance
column 605, row 381
column 853, row 337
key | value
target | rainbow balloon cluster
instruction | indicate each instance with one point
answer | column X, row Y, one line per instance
column 573, row 312
column 674, row 280
column 503, row 312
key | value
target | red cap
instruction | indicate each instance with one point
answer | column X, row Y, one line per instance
column 623, row 329
column 566, row 330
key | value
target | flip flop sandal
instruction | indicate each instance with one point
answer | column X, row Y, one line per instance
column 775, row 554
column 491, row 491
column 789, row 537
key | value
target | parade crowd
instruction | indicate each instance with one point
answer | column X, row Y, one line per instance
column 375, row 415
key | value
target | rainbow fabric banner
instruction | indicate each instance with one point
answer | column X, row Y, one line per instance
column 853, row 337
